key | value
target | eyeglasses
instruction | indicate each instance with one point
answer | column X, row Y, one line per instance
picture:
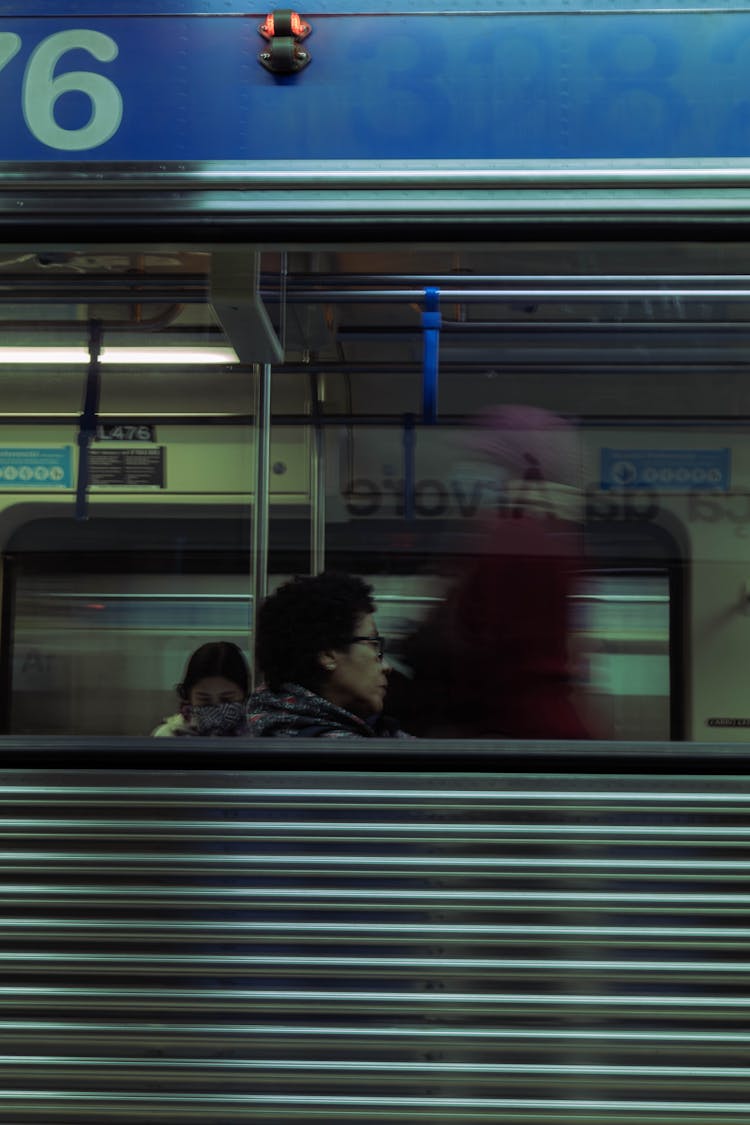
column 377, row 642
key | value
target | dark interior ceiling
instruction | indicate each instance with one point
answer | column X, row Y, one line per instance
column 534, row 306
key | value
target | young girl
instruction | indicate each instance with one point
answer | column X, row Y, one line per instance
column 212, row 694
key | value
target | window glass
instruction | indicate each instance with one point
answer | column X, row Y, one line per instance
column 548, row 496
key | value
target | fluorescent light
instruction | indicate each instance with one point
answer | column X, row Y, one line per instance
column 153, row 356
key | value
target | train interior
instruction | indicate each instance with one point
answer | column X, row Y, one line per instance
column 157, row 353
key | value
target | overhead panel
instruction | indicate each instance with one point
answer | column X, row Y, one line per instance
column 239, row 308
column 455, row 110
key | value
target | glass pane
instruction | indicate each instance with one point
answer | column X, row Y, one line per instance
column 103, row 653
column 629, row 355
column 127, row 484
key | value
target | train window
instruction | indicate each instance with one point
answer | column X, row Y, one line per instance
column 621, row 633
column 135, row 483
column 97, row 653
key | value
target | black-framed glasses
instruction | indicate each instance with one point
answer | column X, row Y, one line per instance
column 377, row 642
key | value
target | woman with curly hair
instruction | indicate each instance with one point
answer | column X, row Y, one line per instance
column 318, row 648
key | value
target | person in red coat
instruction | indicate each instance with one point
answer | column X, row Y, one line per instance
column 494, row 661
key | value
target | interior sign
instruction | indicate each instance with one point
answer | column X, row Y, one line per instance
column 121, row 431
column 129, row 468
column 673, row 470
column 36, row 468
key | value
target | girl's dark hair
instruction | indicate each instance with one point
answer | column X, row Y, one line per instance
column 217, row 658
column 303, row 618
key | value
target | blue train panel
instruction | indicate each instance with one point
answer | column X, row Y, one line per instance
column 539, row 85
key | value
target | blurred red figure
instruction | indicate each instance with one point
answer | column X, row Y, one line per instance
column 493, row 660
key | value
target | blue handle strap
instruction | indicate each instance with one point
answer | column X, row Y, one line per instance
column 431, row 321
column 88, row 419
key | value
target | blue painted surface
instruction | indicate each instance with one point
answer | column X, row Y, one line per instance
column 22, row 468
column 666, row 470
column 85, row 8
column 409, row 87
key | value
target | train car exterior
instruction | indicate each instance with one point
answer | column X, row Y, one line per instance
column 265, row 277
column 571, row 183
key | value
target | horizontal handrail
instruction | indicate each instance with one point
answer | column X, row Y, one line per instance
column 377, row 755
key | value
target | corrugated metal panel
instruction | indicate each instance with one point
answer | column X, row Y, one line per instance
column 344, row 946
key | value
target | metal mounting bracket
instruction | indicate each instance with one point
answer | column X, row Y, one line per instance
column 284, row 29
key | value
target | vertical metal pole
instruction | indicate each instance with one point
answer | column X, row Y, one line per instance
column 410, row 446
column 318, row 501
column 317, row 485
column 262, row 488
column 282, row 297
column 87, row 424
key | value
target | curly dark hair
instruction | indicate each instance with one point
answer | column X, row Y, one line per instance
column 303, row 618
column 217, row 658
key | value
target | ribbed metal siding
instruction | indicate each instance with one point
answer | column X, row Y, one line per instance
column 343, row 947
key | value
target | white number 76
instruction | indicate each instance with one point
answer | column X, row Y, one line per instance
column 41, row 88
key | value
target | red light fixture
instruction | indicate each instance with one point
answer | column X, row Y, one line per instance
column 284, row 29
column 284, row 22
